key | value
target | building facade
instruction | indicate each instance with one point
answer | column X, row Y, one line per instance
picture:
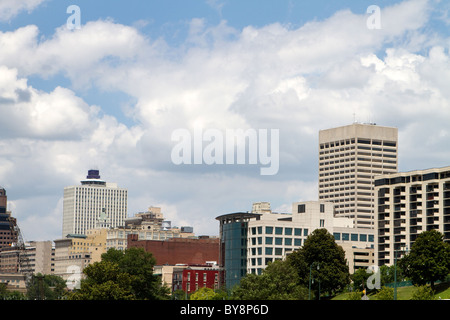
column 349, row 158
column 95, row 203
column 149, row 225
column 8, row 234
column 409, row 203
column 174, row 251
column 190, row 278
column 249, row 241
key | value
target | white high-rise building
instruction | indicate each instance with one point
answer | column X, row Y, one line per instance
column 89, row 205
column 349, row 159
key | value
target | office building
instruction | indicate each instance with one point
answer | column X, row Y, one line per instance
column 409, row 203
column 8, row 234
column 93, row 204
column 249, row 241
column 349, row 158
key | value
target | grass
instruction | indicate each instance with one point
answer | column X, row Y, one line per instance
column 405, row 293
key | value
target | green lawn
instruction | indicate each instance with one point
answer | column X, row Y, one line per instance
column 405, row 293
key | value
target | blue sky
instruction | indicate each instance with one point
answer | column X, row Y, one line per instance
column 111, row 94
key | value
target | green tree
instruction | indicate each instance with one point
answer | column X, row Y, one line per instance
column 385, row 293
column 428, row 260
column 359, row 279
column 121, row 275
column 423, row 293
column 139, row 265
column 278, row 281
column 104, row 281
column 203, row 293
column 46, row 287
column 324, row 260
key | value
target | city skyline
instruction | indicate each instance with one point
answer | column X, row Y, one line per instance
column 109, row 94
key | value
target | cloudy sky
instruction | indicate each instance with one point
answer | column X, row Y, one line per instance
column 110, row 94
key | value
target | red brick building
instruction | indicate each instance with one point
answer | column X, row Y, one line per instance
column 179, row 250
column 192, row 278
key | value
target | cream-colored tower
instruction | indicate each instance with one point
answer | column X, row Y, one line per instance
column 92, row 202
column 349, row 159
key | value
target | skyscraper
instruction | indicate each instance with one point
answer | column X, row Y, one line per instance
column 349, row 158
column 93, row 202
column 8, row 235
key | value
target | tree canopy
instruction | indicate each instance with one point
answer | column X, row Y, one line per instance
column 428, row 260
column 121, row 275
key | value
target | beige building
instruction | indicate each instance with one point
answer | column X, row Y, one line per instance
column 149, row 225
column 93, row 204
column 349, row 158
column 409, row 203
column 75, row 252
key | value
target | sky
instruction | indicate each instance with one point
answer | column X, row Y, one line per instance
column 110, row 93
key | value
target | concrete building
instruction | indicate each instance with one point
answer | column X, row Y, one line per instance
column 409, row 203
column 349, row 158
column 249, row 241
column 149, row 225
column 93, row 204
column 71, row 257
column 38, row 256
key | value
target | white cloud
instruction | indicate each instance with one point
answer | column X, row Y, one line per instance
column 11, row 8
column 297, row 80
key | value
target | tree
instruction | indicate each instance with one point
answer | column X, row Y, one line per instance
column 278, row 281
column 139, row 265
column 359, row 279
column 121, row 275
column 324, row 260
column 386, row 293
column 104, row 281
column 428, row 260
column 423, row 293
column 46, row 287
column 203, row 293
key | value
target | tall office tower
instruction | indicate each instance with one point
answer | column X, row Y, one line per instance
column 94, row 201
column 349, row 159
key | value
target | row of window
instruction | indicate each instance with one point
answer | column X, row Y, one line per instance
column 282, row 230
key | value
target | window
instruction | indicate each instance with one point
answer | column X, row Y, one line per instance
column 278, row 251
column 269, row 251
column 354, row 237
column 278, row 230
column 297, row 231
column 322, row 223
column 337, row 236
column 278, row 241
column 297, row 242
column 269, row 240
column 288, row 241
column 301, row 208
column 322, row 208
column 269, row 230
column 288, row 231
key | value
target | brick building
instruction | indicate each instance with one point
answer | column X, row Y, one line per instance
column 179, row 250
column 191, row 278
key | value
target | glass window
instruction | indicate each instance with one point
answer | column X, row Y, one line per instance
column 269, row 230
column 305, row 232
column 288, row 231
column 278, row 241
column 278, row 251
column 297, row 231
column 354, row 237
column 278, row 230
column 337, row 236
column 269, row 251
column 297, row 242
column 363, row 237
column 269, row 240
column 288, row 241
column 345, row 236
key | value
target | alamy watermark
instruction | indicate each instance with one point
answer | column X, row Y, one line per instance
column 374, row 20
column 374, row 281
column 215, row 147
column 74, row 279
column 74, row 20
